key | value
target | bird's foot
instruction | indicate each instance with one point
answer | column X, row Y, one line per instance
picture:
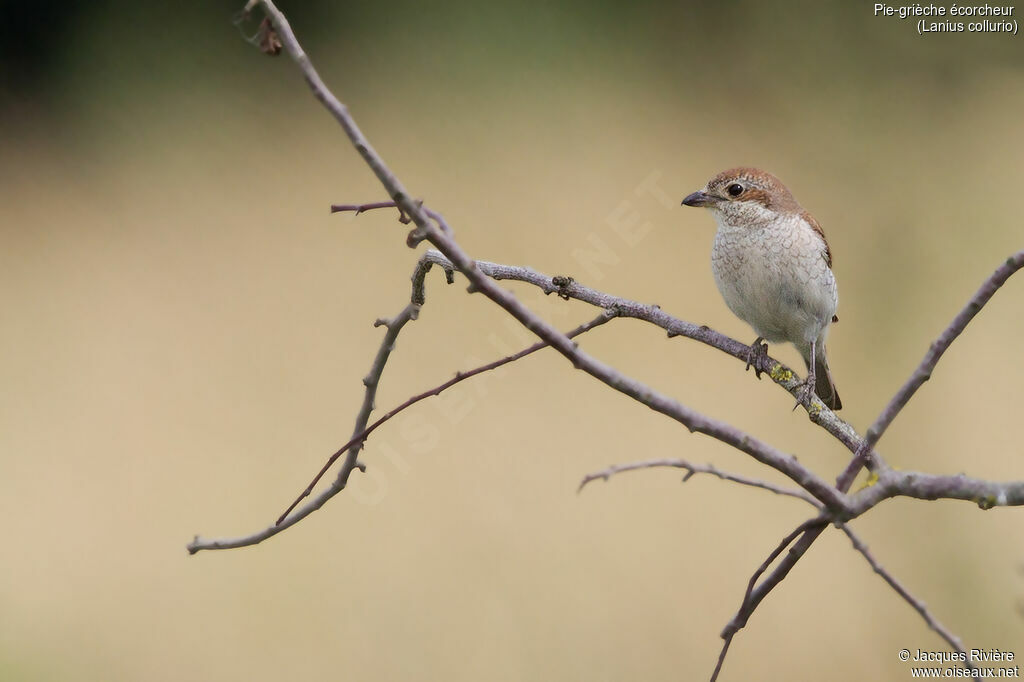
column 805, row 393
column 758, row 350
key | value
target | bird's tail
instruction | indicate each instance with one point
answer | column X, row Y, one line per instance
column 823, row 384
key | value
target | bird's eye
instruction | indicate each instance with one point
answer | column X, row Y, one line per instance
column 735, row 189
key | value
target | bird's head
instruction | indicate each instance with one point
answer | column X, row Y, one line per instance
column 742, row 196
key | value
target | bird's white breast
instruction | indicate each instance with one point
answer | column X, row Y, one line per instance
column 772, row 274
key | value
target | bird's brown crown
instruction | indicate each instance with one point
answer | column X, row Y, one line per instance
column 756, row 185
column 753, row 184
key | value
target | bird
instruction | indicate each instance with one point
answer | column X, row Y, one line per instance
column 773, row 267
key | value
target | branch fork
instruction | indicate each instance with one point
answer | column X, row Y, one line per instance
column 832, row 503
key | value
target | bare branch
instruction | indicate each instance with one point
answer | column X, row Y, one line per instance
column 691, row 419
column 339, row 111
column 394, row 326
column 569, row 288
column 954, row 642
column 924, row 370
column 922, row 484
column 434, row 231
column 753, row 597
column 749, row 601
column 362, row 431
column 360, row 208
column 804, row 536
column 693, row 469
column 836, row 506
column 894, row 483
column 721, row 658
column 437, row 390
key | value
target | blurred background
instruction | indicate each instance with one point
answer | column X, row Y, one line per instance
column 185, row 330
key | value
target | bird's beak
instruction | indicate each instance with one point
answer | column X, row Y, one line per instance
column 699, row 198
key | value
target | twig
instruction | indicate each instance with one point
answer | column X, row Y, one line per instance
column 479, row 282
column 360, row 208
column 693, row 469
column 892, row 483
column 435, row 233
column 620, row 307
column 721, row 658
column 931, row 358
column 808, row 532
column 437, row 390
column 895, row 483
column 691, row 419
column 911, row 484
column 568, row 288
column 415, row 237
column 899, row 588
column 809, row 524
column 740, row 619
column 954, row 642
column 394, row 326
column 837, row 506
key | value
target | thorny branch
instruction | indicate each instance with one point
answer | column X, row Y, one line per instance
column 924, row 370
column 362, row 431
column 394, row 326
column 694, row 469
column 818, row 523
column 911, row 484
column 834, row 504
column 898, row 587
column 437, row 390
column 568, row 288
column 611, row 307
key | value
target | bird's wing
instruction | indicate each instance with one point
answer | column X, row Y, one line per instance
column 816, row 226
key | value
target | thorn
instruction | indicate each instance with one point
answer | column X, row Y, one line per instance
column 415, row 238
column 267, row 39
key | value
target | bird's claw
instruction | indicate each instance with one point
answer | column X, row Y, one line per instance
column 757, row 350
column 805, row 393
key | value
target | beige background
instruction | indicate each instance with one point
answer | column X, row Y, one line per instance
column 185, row 329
